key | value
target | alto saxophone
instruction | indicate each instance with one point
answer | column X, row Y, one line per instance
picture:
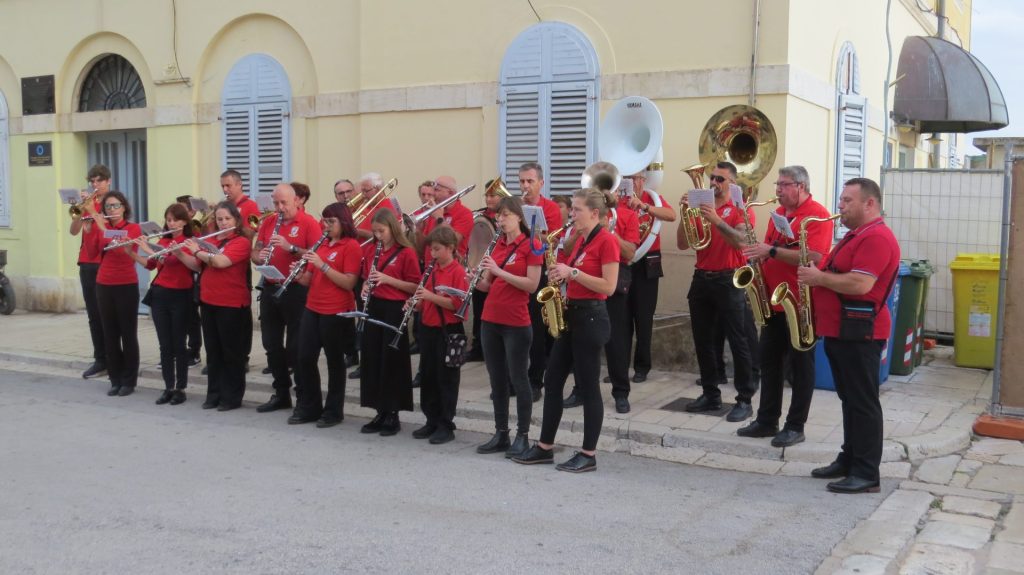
column 799, row 312
column 550, row 297
column 751, row 277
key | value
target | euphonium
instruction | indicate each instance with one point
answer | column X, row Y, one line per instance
column 550, row 297
column 799, row 313
column 697, row 228
column 750, row 277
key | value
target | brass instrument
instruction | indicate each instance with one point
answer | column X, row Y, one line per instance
column 200, row 221
column 603, row 176
column 479, row 273
column 76, row 210
column 750, row 277
column 744, row 136
column 422, row 215
column 254, row 221
column 696, row 226
column 498, row 188
column 550, row 296
column 300, row 266
column 798, row 309
column 361, row 206
column 410, row 306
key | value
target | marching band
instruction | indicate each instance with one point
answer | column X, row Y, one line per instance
column 546, row 297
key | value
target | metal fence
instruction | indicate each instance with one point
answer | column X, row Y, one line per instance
column 937, row 214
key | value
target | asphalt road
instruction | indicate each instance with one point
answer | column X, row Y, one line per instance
column 91, row 484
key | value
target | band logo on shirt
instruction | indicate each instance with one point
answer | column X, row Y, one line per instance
column 579, row 260
column 332, row 257
column 511, row 259
column 726, row 213
column 294, row 233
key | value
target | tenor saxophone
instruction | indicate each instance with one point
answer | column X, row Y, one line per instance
column 798, row 309
column 751, row 277
column 550, row 296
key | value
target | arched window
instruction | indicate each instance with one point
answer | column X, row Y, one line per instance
column 851, row 123
column 112, row 84
column 548, row 105
column 5, row 168
column 256, row 104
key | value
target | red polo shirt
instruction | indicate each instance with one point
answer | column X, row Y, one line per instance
column 302, row 231
column 505, row 304
column 171, row 273
column 451, row 275
column 367, row 223
column 648, row 198
column 228, row 287
column 403, row 266
column 819, row 239
column 719, row 255
column 325, row 296
column 460, row 218
column 627, row 227
column 871, row 249
column 116, row 266
column 247, row 207
column 87, row 253
column 589, row 257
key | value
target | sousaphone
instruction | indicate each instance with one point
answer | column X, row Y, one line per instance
column 744, row 136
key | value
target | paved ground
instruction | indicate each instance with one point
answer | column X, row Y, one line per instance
column 118, row 485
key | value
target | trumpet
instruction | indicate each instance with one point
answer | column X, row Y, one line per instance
column 361, row 206
column 550, row 297
column 751, row 277
column 76, row 210
column 254, row 221
column 696, row 226
column 798, row 309
column 411, row 306
column 176, row 247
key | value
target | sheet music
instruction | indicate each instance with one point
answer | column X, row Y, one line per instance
column 263, row 201
column 69, row 195
column 207, row 246
column 149, row 228
column 782, row 224
column 535, row 218
column 270, row 273
column 626, row 187
column 698, row 198
column 114, row 234
column 737, row 196
column 198, row 204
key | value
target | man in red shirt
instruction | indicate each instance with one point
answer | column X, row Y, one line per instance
column 89, row 265
column 231, row 185
column 344, row 190
column 369, row 185
column 780, row 256
column 849, row 293
column 531, row 183
column 714, row 301
column 456, row 215
column 281, row 246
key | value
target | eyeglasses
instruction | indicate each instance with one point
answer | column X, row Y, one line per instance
column 114, row 206
column 718, row 179
column 784, row 184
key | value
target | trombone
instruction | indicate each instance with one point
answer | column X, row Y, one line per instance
column 361, row 206
column 425, row 213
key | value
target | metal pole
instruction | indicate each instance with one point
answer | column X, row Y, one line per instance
column 1004, row 249
column 753, row 54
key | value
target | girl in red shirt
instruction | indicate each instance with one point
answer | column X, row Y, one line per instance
column 331, row 273
column 224, row 294
column 512, row 273
column 439, row 386
column 170, row 302
column 385, row 374
column 591, row 270
column 117, row 294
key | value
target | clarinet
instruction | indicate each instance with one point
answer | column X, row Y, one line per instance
column 298, row 269
column 464, row 308
column 266, row 260
column 413, row 301
column 370, row 286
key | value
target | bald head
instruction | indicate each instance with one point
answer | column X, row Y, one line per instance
column 444, row 186
column 285, row 200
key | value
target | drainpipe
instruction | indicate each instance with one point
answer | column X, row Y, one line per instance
column 753, row 53
column 940, row 32
column 1004, row 254
column 886, row 156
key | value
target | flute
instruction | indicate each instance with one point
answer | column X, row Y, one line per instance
column 177, row 247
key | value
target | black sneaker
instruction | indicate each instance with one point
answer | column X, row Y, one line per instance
column 165, row 397
column 702, row 404
column 95, row 370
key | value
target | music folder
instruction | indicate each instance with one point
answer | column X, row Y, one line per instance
column 198, row 204
column 535, row 218
column 150, row 228
column 270, row 273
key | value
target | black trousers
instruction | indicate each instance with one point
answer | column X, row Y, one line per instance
column 439, row 386
column 279, row 328
column 506, row 349
column 713, row 300
column 385, row 381
column 855, row 366
column 541, row 345
column 479, row 297
column 577, row 351
column 225, row 352
column 643, row 300
column 119, row 313
column 87, row 277
column 753, row 342
column 775, row 352
column 616, row 351
column 330, row 333
column 195, row 327
column 171, row 311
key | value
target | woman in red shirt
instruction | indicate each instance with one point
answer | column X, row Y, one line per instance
column 385, row 379
column 170, row 302
column 225, row 297
column 117, row 294
column 591, row 270
column 331, row 273
column 512, row 273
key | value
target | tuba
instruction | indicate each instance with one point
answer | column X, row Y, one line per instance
column 744, row 136
column 799, row 313
column 550, row 297
column 695, row 225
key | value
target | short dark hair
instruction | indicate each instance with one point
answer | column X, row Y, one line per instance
column 98, row 171
column 121, row 198
column 232, row 174
column 563, row 199
column 301, row 190
column 345, row 180
column 723, row 165
column 178, row 212
column 444, row 235
column 868, row 188
column 183, row 199
column 535, row 167
column 340, row 211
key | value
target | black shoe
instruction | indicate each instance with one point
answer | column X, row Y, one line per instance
column 414, row 348
column 757, row 429
column 194, row 361
column 205, row 371
column 298, row 418
column 266, row 370
column 534, row 455
column 853, row 485
column 579, row 463
column 639, row 377
column 497, row 443
column 126, row 390
column 325, row 422
column 511, row 392
column 228, row 406
column 702, row 404
column 178, row 397
column 374, row 425
column 573, row 400
column 621, row 405
column 831, row 471
column 739, row 412
column 537, row 394
column 607, row 379
column 518, row 447
column 165, row 397
column 211, row 403
column 416, row 380
column 425, row 431
column 475, row 355
column 351, row 360
column 787, row 437
column 114, row 390
column 95, row 370
column 355, row 374
column 276, row 402
column 390, row 425
column 443, row 434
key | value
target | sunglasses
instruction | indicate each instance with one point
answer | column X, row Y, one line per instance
column 717, row 179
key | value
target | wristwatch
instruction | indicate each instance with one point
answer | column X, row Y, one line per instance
column 293, row 249
column 772, row 252
column 573, row 273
